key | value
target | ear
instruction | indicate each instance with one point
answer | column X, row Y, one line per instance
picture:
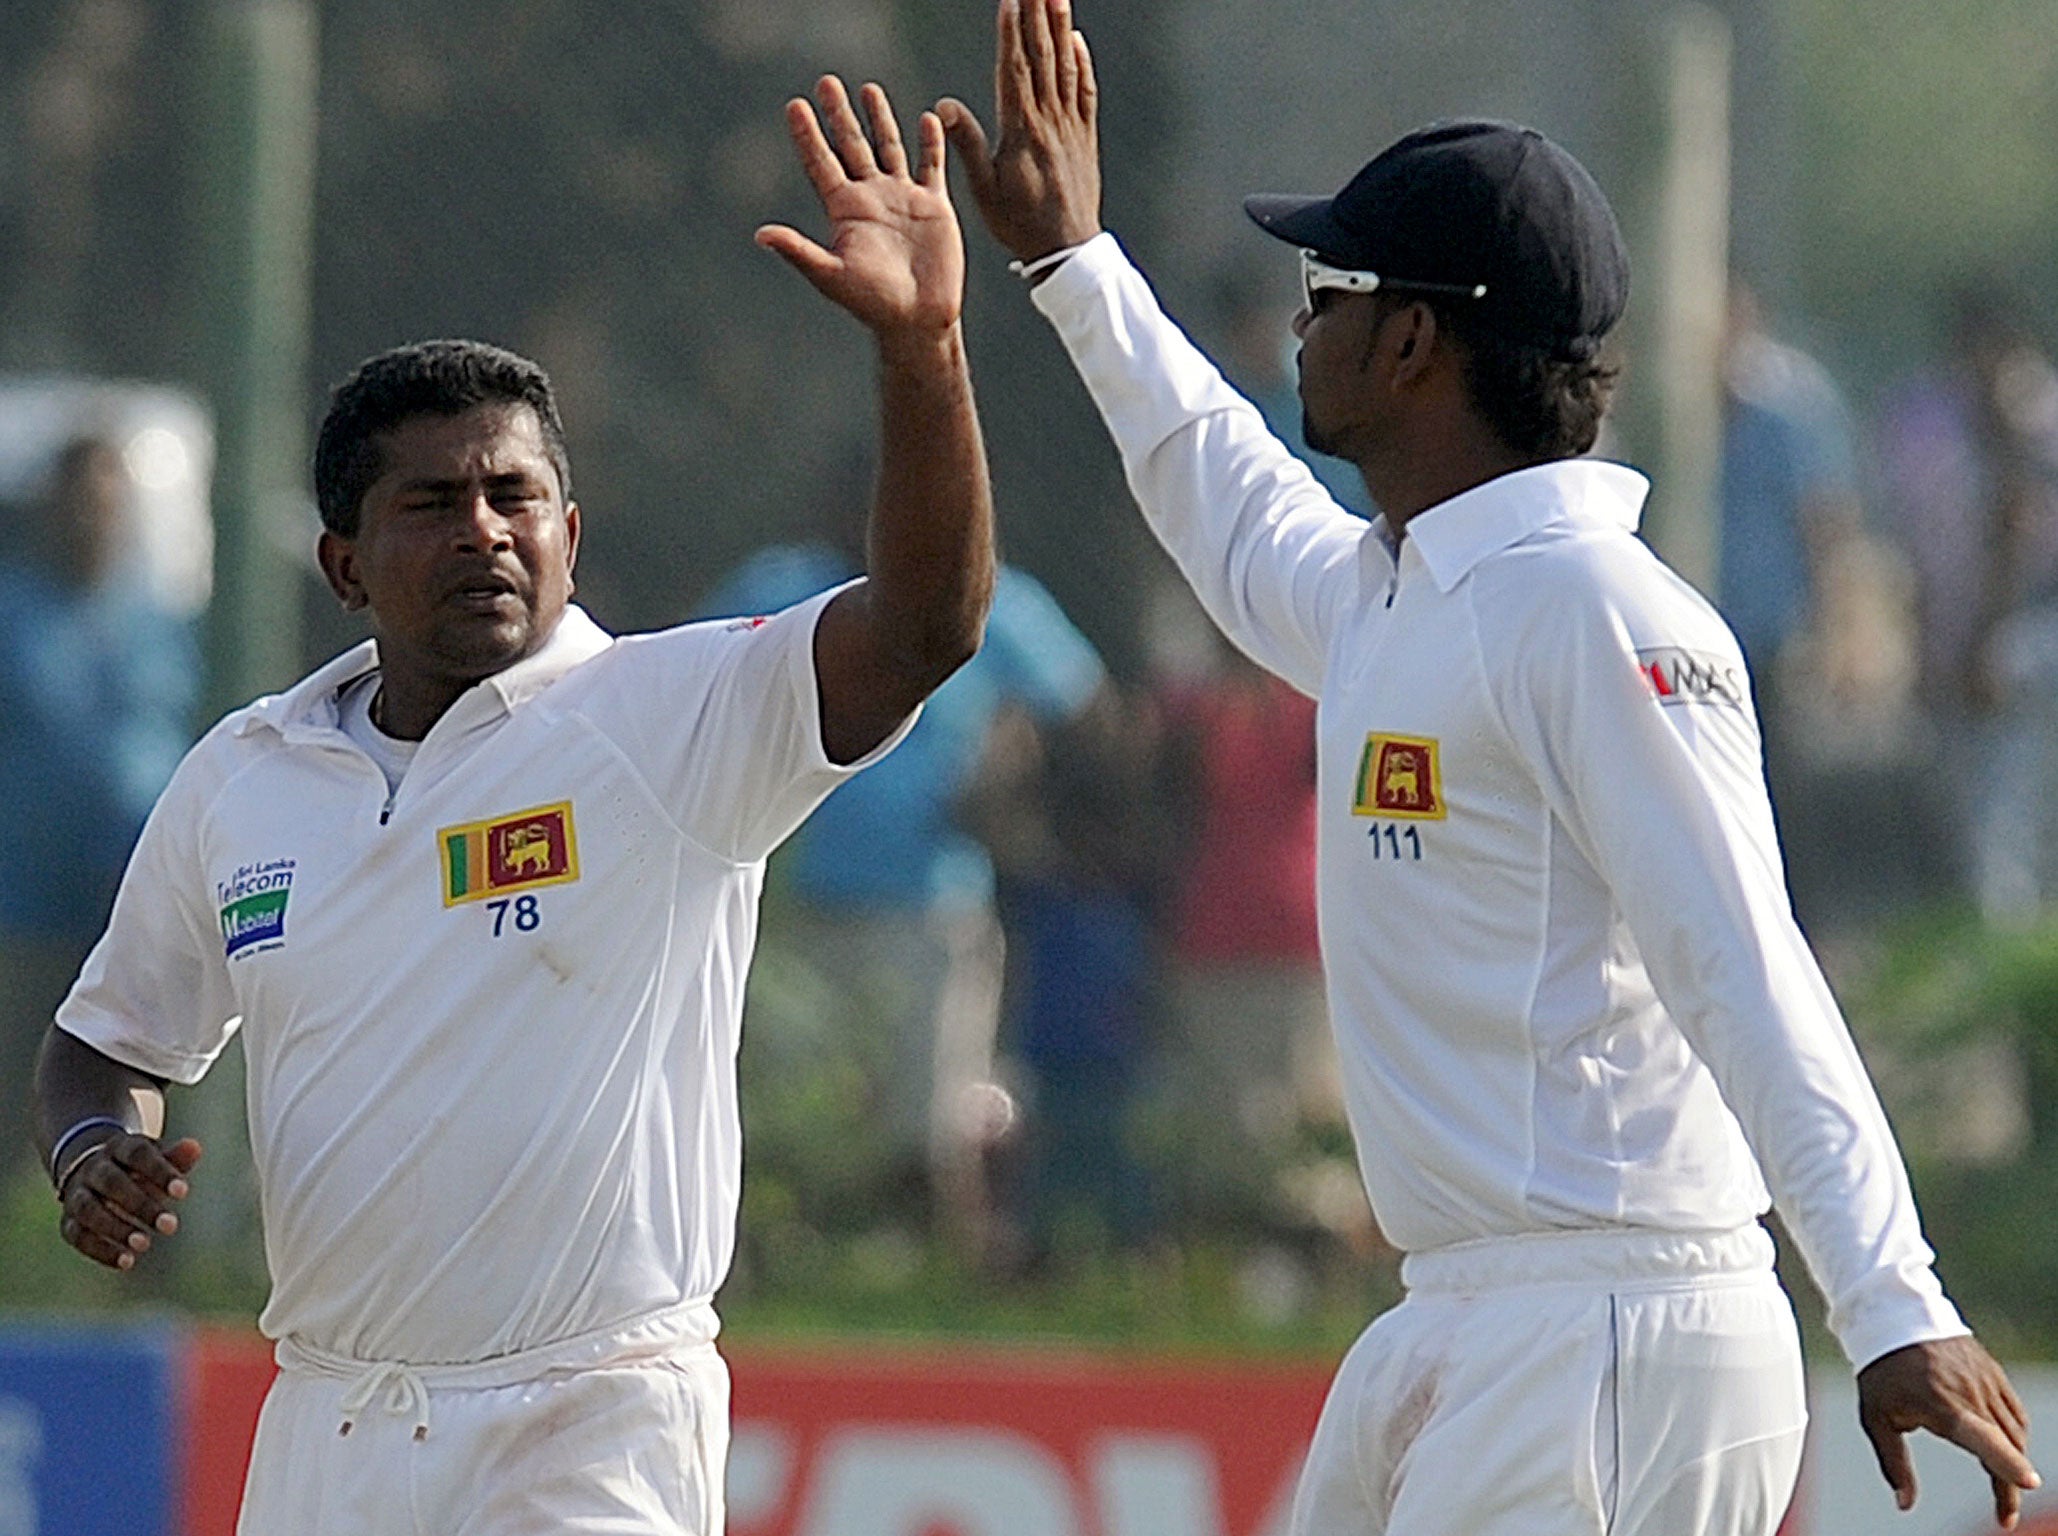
column 1414, row 345
column 337, row 557
column 571, row 543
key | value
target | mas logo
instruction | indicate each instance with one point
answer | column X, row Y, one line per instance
column 253, row 907
column 531, row 848
column 1677, row 676
column 1398, row 776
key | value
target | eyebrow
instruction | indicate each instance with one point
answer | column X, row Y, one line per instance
column 505, row 480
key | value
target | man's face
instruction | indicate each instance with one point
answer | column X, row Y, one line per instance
column 464, row 548
column 1335, row 332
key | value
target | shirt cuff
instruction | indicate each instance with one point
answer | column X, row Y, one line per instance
column 1897, row 1315
column 1079, row 274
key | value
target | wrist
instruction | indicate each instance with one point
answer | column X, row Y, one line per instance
column 1034, row 268
column 921, row 346
column 80, row 1141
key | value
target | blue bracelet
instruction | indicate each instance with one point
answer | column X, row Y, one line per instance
column 58, row 1172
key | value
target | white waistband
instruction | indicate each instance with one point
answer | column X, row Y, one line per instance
column 654, row 1336
column 1613, row 1257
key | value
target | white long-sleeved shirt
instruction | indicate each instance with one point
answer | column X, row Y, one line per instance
column 1566, row 983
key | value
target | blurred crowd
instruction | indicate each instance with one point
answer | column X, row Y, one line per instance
column 1048, row 976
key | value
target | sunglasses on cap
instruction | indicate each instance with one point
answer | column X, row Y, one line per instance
column 1317, row 275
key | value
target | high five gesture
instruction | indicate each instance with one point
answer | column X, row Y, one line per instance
column 895, row 258
column 1039, row 189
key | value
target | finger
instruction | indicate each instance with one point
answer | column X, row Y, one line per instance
column 183, row 1155
column 1981, row 1436
column 114, row 1186
column 824, row 170
column 2007, row 1503
column 814, row 263
column 968, row 137
column 1037, row 43
column 145, row 1160
column 1063, row 53
column 1012, row 83
column 101, row 1250
column 930, row 172
column 1894, row 1465
column 852, row 147
column 893, row 155
column 1089, row 88
column 112, row 1226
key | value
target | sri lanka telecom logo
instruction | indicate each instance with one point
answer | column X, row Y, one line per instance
column 253, row 907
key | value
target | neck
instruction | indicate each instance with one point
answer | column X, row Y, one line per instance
column 407, row 715
column 1430, row 473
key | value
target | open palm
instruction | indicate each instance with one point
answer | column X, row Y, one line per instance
column 895, row 258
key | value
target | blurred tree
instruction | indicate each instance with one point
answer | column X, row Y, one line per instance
column 1926, row 129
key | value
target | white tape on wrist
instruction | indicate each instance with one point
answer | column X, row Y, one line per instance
column 1029, row 271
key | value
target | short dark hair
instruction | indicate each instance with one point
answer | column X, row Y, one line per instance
column 1542, row 404
column 424, row 378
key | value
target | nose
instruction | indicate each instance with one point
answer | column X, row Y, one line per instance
column 1301, row 318
column 482, row 528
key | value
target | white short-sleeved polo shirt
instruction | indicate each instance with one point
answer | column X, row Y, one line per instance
column 491, row 1020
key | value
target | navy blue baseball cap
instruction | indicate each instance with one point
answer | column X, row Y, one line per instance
column 1474, row 202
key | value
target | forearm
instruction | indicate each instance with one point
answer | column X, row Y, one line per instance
column 930, row 563
column 76, row 1084
column 1259, row 540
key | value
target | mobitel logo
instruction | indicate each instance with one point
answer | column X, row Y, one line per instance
column 253, row 906
column 1679, row 676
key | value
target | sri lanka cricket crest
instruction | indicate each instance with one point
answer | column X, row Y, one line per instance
column 1398, row 776
column 520, row 852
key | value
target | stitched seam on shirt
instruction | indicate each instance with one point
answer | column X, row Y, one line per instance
column 650, row 793
column 1469, row 596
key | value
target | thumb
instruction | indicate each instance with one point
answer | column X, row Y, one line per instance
column 1892, row 1450
column 183, row 1154
column 961, row 125
column 814, row 263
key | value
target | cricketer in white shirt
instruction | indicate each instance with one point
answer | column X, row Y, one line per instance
column 1583, row 1041
column 490, row 985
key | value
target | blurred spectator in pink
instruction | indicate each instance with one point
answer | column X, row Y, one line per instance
column 1250, row 1054
column 1970, row 457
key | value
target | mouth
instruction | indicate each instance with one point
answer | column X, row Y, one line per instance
column 484, row 593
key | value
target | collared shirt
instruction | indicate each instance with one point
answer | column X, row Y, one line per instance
column 491, row 1014
column 1566, row 983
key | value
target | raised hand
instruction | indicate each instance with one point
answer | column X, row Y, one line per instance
column 895, row 258
column 119, row 1197
column 1952, row 1388
column 1039, row 190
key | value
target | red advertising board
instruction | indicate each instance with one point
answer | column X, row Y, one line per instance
column 946, row 1443
column 847, row 1441
column 989, row 1443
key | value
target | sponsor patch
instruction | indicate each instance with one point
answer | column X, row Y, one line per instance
column 253, row 906
column 1677, row 676
column 508, row 853
column 1398, row 776
column 759, row 622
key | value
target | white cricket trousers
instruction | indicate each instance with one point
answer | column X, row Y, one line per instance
column 1592, row 1383
column 624, row 1437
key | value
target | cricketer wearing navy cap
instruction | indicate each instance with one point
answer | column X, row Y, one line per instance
column 1487, row 210
column 1584, row 1044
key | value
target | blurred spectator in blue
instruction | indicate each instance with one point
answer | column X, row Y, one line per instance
column 1789, row 487
column 1081, row 845
column 1970, row 453
column 96, row 699
column 896, row 900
